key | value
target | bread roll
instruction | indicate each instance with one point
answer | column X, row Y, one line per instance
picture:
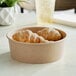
column 50, row 34
column 28, row 36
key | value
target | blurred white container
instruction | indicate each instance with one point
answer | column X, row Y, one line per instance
column 7, row 15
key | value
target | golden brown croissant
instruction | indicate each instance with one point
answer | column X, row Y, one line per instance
column 28, row 36
column 50, row 34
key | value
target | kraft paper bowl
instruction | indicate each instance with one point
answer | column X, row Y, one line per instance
column 36, row 52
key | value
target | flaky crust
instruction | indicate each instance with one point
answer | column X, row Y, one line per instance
column 50, row 34
column 28, row 36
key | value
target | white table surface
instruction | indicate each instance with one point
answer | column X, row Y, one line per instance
column 66, row 66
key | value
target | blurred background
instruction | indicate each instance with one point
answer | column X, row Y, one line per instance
column 60, row 4
column 65, row 4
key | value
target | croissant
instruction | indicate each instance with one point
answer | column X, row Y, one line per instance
column 50, row 34
column 29, row 37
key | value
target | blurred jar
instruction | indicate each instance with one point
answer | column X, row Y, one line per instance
column 44, row 11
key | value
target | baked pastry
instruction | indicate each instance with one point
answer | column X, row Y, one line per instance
column 50, row 34
column 28, row 36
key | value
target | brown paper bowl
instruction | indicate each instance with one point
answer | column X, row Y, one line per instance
column 36, row 52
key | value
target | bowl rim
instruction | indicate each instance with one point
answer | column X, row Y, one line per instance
column 10, row 37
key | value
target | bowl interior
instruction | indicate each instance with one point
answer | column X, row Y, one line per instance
column 34, row 29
